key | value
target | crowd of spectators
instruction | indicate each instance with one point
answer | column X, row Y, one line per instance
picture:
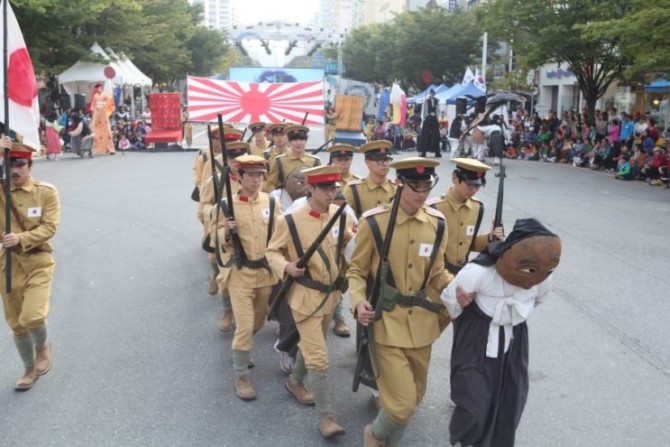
column 70, row 131
column 627, row 146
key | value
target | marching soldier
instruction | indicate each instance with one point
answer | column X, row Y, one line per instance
column 234, row 150
column 280, row 143
column 464, row 213
column 375, row 189
column 258, row 141
column 410, row 322
column 202, row 169
column 248, row 285
column 206, row 189
column 284, row 164
column 342, row 155
column 316, row 292
column 35, row 215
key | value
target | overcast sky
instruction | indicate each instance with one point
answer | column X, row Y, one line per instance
column 251, row 11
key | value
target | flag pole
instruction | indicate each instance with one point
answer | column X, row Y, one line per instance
column 7, row 185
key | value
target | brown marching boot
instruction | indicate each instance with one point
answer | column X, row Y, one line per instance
column 244, row 388
column 329, row 427
column 300, row 392
column 43, row 359
column 212, row 286
column 26, row 382
column 341, row 329
column 226, row 321
column 369, row 439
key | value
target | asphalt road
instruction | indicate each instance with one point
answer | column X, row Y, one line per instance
column 138, row 360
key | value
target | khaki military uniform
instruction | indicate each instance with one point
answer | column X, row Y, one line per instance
column 38, row 208
column 461, row 222
column 311, row 320
column 369, row 194
column 288, row 162
column 255, row 149
column 249, row 288
column 272, row 153
column 404, row 335
column 344, row 181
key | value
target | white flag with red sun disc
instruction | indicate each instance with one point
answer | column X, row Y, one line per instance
column 24, row 112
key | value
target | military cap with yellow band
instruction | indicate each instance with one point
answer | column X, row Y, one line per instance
column 328, row 175
column 471, row 171
column 376, row 149
column 276, row 128
column 251, row 163
column 237, row 148
column 257, row 126
column 342, row 150
column 229, row 133
column 296, row 132
column 415, row 168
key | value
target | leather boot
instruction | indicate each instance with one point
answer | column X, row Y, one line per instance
column 43, row 359
column 244, row 388
column 341, row 329
column 369, row 439
column 26, row 382
column 329, row 427
column 226, row 321
column 300, row 392
column 212, row 286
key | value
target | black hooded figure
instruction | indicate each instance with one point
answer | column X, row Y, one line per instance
column 430, row 132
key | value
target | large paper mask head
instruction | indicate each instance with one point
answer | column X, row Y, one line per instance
column 527, row 257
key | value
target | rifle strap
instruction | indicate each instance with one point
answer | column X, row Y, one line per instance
column 439, row 235
column 244, row 260
column 474, row 236
column 271, row 223
column 358, row 209
column 280, row 172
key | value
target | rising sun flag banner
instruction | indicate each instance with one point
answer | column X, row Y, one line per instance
column 24, row 112
column 248, row 102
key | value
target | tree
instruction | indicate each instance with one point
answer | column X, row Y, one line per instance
column 208, row 51
column 547, row 31
column 429, row 40
column 641, row 33
column 162, row 37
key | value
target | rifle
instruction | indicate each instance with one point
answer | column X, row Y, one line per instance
column 228, row 210
column 497, row 220
column 302, row 262
column 320, row 148
column 364, row 368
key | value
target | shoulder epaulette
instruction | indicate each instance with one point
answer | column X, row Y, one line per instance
column 45, row 184
column 476, row 200
column 358, row 181
column 433, row 212
column 434, row 200
column 377, row 210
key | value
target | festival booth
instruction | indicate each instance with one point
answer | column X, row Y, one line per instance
column 116, row 71
column 419, row 98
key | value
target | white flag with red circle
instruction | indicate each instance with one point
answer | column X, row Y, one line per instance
column 24, row 112
column 248, row 102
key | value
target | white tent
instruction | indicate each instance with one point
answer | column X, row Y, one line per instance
column 81, row 77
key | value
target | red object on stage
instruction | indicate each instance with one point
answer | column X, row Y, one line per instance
column 165, row 118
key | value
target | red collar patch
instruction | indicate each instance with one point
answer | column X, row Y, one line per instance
column 314, row 214
column 244, row 198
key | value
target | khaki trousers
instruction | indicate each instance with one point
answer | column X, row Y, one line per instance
column 27, row 306
column 312, row 343
column 402, row 380
column 250, row 307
